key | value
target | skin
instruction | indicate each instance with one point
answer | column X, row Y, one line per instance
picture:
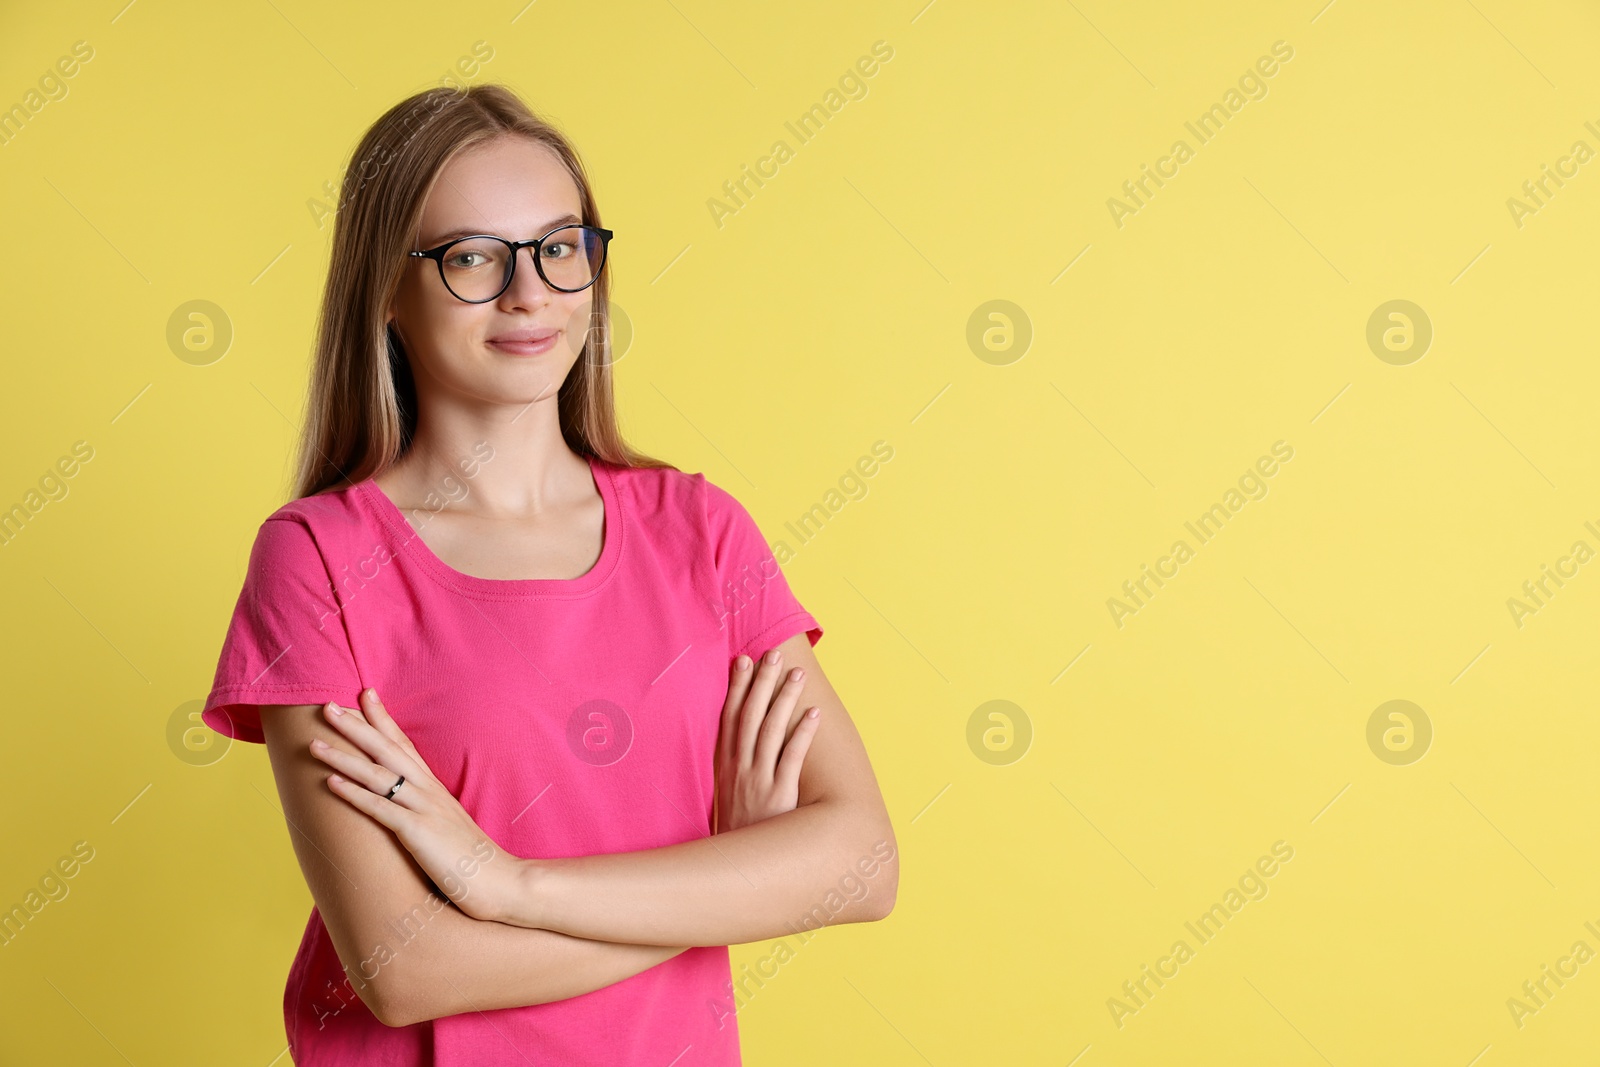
column 798, row 804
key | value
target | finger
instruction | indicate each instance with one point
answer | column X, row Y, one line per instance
column 386, row 812
column 358, row 711
column 787, row 778
column 353, row 726
column 364, row 772
column 738, row 686
column 770, row 740
column 384, row 723
column 379, row 717
column 756, row 701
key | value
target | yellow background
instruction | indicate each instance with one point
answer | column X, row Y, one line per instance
column 830, row 312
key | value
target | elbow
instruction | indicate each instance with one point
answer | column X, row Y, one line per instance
column 394, row 1009
column 401, row 980
column 378, row 1000
column 885, row 902
column 394, row 1019
column 391, row 1018
column 401, row 1002
column 385, row 1003
column 389, row 996
column 870, row 865
column 882, row 874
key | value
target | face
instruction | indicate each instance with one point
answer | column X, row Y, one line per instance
column 511, row 188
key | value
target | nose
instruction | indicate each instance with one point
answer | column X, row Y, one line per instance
column 527, row 288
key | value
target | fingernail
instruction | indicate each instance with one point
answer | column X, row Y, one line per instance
column 772, row 657
column 798, row 674
column 813, row 713
column 319, row 744
column 743, row 662
column 335, row 778
column 335, row 708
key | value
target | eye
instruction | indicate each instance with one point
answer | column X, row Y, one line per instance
column 473, row 255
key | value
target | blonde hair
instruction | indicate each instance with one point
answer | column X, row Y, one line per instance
column 361, row 406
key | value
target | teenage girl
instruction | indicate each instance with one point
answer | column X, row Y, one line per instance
column 601, row 748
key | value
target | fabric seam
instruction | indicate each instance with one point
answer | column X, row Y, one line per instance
column 433, row 566
column 796, row 616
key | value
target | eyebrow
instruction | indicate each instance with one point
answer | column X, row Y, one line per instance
column 453, row 234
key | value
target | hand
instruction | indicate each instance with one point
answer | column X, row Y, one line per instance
column 428, row 820
column 753, row 782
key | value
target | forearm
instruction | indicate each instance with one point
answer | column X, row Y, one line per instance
column 761, row 881
column 442, row 962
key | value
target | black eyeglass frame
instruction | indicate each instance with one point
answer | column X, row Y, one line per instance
column 437, row 254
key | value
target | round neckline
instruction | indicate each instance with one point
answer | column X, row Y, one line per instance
column 613, row 533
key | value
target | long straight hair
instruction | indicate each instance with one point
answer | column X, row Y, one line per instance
column 361, row 407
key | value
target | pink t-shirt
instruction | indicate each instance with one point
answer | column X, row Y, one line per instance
column 598, row 696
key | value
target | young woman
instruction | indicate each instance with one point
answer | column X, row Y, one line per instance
column 510, row 844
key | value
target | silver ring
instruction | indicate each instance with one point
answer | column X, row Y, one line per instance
column 390, row 794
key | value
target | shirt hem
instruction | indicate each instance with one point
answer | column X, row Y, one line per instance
column 787, row 628
column 219, row 716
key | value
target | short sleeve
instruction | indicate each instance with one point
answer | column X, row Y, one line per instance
column 757, row 609
column 286, row 643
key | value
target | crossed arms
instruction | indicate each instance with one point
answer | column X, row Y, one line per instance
column 587, row 922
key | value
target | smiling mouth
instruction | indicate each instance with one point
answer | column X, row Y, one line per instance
column 526, row 346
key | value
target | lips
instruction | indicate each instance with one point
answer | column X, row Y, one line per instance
column 522, row 337
column 524, row 342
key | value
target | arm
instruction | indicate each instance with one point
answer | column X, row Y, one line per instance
column 409, row 954
column 749, row 884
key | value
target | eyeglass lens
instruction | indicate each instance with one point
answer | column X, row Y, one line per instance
column 479, row 268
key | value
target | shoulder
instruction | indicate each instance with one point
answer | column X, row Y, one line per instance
column 314, row 530
column 659, row 496
column 667, row 496
column 327, row 508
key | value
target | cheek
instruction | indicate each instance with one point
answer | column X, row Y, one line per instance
column 433, row 330
column 577, row 323
column 410, row 305
column 578, row 308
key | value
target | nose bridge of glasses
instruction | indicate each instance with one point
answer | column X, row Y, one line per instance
column 530, row 250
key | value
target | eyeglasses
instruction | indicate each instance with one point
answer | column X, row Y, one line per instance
column 479, row 268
